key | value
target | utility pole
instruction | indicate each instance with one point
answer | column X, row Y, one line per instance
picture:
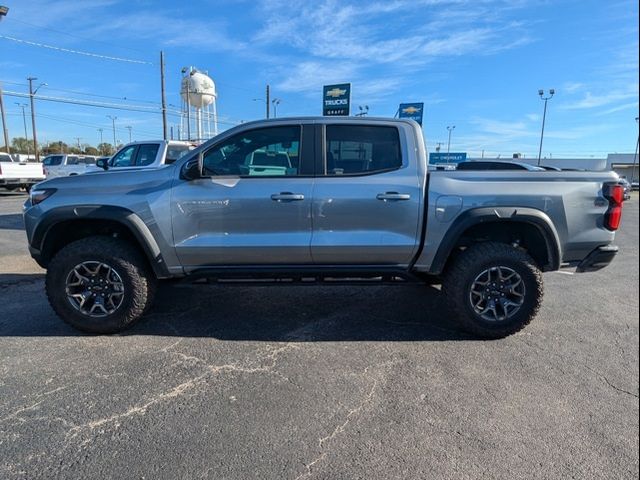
column 450, row 128
column 113, row 121
column 24, row 121
column 129, row 128
column 33, row 116
column 78, row 139
column 267, row 100
column 438, row 145
column 164, row 101
column 544, row 116
column 5, row 130
column 635, row 157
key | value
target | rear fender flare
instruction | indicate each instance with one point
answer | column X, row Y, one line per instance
column 477, row 216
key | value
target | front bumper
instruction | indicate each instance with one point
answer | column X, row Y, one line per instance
column 598, row 259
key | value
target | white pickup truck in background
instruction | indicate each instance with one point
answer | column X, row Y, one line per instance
column 14, row 175
column 63, row 165
column 146, row 154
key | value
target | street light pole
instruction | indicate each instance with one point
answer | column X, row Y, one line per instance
column 24, row 121
column 544, row 116
column 450, row 128
column 129, row 128
column 276, row 102
column 113, row 121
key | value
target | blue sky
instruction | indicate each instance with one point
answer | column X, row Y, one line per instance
column 476, row 64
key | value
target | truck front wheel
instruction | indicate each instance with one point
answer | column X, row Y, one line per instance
column 493, row 289
column 99, row 284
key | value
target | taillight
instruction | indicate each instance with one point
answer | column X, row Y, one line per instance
column 613, row 192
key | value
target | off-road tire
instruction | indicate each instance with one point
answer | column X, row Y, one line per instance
column 459, row 278
column 137, row 278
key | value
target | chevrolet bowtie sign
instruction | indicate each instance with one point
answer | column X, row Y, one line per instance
column 411, row 110
column 336, row 100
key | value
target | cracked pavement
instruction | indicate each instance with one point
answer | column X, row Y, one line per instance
column 308, row 382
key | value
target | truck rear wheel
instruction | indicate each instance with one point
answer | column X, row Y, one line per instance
column 493, row 289
column 99, row 284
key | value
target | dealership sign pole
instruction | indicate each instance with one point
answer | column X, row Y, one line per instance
column 336, row 100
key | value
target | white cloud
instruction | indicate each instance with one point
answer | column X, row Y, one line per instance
column 599, row 100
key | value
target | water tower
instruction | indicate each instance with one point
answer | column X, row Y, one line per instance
column 198, row 93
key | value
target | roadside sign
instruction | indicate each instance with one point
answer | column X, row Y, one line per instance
column 336, row 100
column 411, row 110
column 453, row 157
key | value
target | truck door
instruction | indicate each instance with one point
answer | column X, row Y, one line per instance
column 367, row 199
column 252, row 205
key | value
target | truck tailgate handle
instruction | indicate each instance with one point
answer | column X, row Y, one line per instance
column 394, row 196
column 287, row 197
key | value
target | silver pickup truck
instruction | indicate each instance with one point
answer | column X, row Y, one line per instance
column 318, row 200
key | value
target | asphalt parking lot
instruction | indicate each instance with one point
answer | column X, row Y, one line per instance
column 308, row 382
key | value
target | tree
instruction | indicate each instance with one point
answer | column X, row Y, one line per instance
column 105, row 149
column 55, row 147
column 21, row 145
column 89, row 150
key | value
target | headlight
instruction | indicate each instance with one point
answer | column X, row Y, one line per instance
column 38, row 195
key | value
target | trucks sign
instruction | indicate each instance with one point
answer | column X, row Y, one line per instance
column 336, row 100
column 411, row 110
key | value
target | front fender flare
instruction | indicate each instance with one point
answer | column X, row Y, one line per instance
column 125, row 217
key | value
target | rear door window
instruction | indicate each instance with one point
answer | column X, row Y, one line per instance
column 52, row 160
column 361, row 149
column 147, row 154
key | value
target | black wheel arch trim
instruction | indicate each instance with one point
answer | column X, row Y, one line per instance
column 132, row 222
column 477, row 216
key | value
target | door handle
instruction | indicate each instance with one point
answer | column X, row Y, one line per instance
column 393, row 196
column 287, row 197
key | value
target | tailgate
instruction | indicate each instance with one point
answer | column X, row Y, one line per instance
column 12, row 170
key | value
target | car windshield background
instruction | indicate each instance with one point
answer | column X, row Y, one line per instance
column 273, row 151
column 361, row 149
column 147, row 154
column 124, row 157
column 5, row 158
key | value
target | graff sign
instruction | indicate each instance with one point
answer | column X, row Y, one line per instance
column 336, row 100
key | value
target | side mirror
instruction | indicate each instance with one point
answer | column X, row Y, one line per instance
column 103, row 163
column 191, row 170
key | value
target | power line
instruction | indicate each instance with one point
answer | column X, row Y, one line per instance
column 42, row 27
column 77, row 52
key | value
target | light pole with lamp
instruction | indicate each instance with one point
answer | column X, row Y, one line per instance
column 451, row 129
column 32, row 94
column 544, row 116
column 275, row 102
column 364, row 110
column 24, row 121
